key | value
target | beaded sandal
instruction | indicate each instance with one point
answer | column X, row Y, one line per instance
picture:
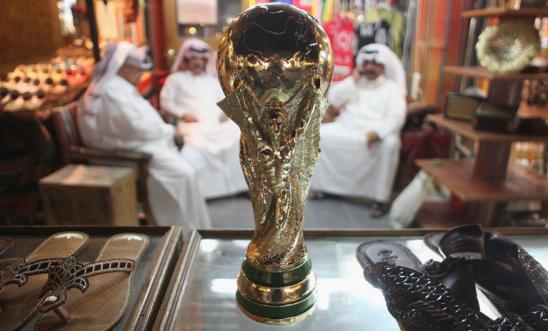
column 418, row 298
column 22, row 279
column 511, row 278
column 103, row 287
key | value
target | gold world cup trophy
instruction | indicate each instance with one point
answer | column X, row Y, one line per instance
column 275, row 65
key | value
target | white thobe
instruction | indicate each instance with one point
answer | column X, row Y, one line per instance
column 125, row 120
column 216, row 141
column 346, row 165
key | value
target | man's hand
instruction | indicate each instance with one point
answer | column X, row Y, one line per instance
column 188, row 118
column 178, row 140
column 372, row 139
column 330, row 114
column 356, row 74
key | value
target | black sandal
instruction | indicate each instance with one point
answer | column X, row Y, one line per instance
column 426, row 298
column 511, row 278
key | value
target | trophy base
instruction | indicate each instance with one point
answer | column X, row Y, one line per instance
column 277, row 297
column 278, row 321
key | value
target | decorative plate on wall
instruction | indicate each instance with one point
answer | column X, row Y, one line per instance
column 508, row 46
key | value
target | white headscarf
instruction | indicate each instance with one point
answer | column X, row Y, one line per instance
column 393, row 69
column 114, row 57
column 195, row 47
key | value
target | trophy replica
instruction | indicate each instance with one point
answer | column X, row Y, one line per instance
column 275, row 66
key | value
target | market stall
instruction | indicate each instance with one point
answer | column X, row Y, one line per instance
column 445, row 102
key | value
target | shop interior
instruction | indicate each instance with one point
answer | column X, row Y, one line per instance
column 273, row 165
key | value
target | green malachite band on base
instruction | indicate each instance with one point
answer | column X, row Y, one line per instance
column 276, row 312
column 277, row 278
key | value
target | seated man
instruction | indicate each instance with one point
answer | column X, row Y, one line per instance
column 360, row 150
column 116, row 116
column 191, row 94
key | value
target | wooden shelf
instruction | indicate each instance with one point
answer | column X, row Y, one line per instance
column 480, row 72
column 528, row 111
column 505, row 12
column 456, row 175
column 465, row 129
column 436, row 215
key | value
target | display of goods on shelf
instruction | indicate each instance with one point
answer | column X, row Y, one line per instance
column 507, row 47
column 35, row 86
column 537, row 92
column 531, row 155
column 526, row 3
column 488, row 117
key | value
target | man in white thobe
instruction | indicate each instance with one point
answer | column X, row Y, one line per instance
column 360, row 150
column 115, row 116
column 191, row 93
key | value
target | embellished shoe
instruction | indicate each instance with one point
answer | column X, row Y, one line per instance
column 22, row 279
column 421, row 302
column 103, row 287
column 511, row 278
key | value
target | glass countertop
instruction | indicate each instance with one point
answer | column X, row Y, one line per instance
column 345, row 301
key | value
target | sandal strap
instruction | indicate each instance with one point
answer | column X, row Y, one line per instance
column 464, row 241
column 18, row 271
column 536, row 273
column 73, row 274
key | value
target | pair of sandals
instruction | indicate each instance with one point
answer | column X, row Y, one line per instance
column 40, row 283
column 442, row 295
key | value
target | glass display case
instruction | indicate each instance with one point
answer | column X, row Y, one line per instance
column 201, row 295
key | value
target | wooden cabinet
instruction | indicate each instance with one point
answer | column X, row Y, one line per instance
column 486, row 182
column 480, row 72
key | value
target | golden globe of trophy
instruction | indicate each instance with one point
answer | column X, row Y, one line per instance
column 275, row 65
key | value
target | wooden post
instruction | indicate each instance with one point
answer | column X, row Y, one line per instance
column 485, row 213
column 93, row 31
column 505, row 92
column 492, row 160
column 157, row 37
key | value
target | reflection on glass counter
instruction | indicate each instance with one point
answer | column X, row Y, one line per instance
column 345, row 300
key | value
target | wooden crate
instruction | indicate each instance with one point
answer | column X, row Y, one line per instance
column 90, row 195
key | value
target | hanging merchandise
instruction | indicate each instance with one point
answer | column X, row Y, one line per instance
column 382, row 25
column 305, row 5
column 197, row 12
column 341, row 34
column 257, row 2
column 327, row 10
column 317, row 8
column 108, row 19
